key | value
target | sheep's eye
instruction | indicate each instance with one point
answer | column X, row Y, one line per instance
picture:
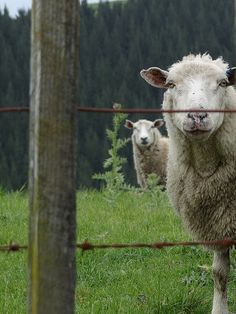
column 170, row 85
column 223, row 83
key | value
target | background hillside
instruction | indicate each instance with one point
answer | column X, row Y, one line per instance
column 116, row 41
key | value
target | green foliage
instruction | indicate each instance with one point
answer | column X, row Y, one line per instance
column 113, row 176
column 153, row 183
column 154, row 190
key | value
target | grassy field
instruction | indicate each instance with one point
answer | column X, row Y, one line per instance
column 173, row 280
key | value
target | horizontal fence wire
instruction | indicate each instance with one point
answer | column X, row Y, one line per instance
column 131, row 111
column 87, row 246
column 226, row 243
column 147, row 111
column 14, row 109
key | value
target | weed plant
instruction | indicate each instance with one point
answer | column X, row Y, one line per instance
column 113, row 177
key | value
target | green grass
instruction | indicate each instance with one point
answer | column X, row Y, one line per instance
column 13, row 271
column 166, row 281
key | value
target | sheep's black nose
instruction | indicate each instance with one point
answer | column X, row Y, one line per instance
column 197, row 115
column 144, row 140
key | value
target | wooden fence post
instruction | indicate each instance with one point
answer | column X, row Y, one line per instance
column 52, row 182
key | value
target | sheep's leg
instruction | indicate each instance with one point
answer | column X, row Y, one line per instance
column 221, row 266
column 141, row 180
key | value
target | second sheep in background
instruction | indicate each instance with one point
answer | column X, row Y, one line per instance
column 150, row 150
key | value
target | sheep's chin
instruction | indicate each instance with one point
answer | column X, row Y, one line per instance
column 144, row 146
column 198, row 135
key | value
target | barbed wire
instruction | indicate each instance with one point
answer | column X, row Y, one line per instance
column 14, row 109
column 226, row 243
column 148, row 111
column 12, row 247
column 131, row 111
column 87, row 246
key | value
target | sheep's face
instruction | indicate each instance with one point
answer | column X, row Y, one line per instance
column 196, row 83
column 143, row 131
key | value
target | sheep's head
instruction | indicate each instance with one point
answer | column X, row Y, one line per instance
column 143, row 131
column 195, row 83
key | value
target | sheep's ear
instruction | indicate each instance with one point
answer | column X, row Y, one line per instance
column 129, row 124
column 155, row 77
column 231, row 75
column 158, row 123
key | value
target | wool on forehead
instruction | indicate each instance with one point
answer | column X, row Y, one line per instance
column 143, row 122
column 198, row 64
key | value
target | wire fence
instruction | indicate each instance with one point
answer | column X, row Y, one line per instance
column 130, row 111
column 87, row 246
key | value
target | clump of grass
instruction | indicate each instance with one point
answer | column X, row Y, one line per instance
column 153, row 183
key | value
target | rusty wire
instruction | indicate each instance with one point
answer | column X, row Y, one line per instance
column 12, row 247
column 131, row 111
column 226, row 243
column 14, row 109
column 87, row 246
column 148, row 111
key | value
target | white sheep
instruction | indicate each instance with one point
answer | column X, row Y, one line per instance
column 150, row 150
column 201, row 170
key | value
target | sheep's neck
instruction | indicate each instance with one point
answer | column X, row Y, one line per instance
column 204, row 158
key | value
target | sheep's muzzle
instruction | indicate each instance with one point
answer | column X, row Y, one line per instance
column 197, row 124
